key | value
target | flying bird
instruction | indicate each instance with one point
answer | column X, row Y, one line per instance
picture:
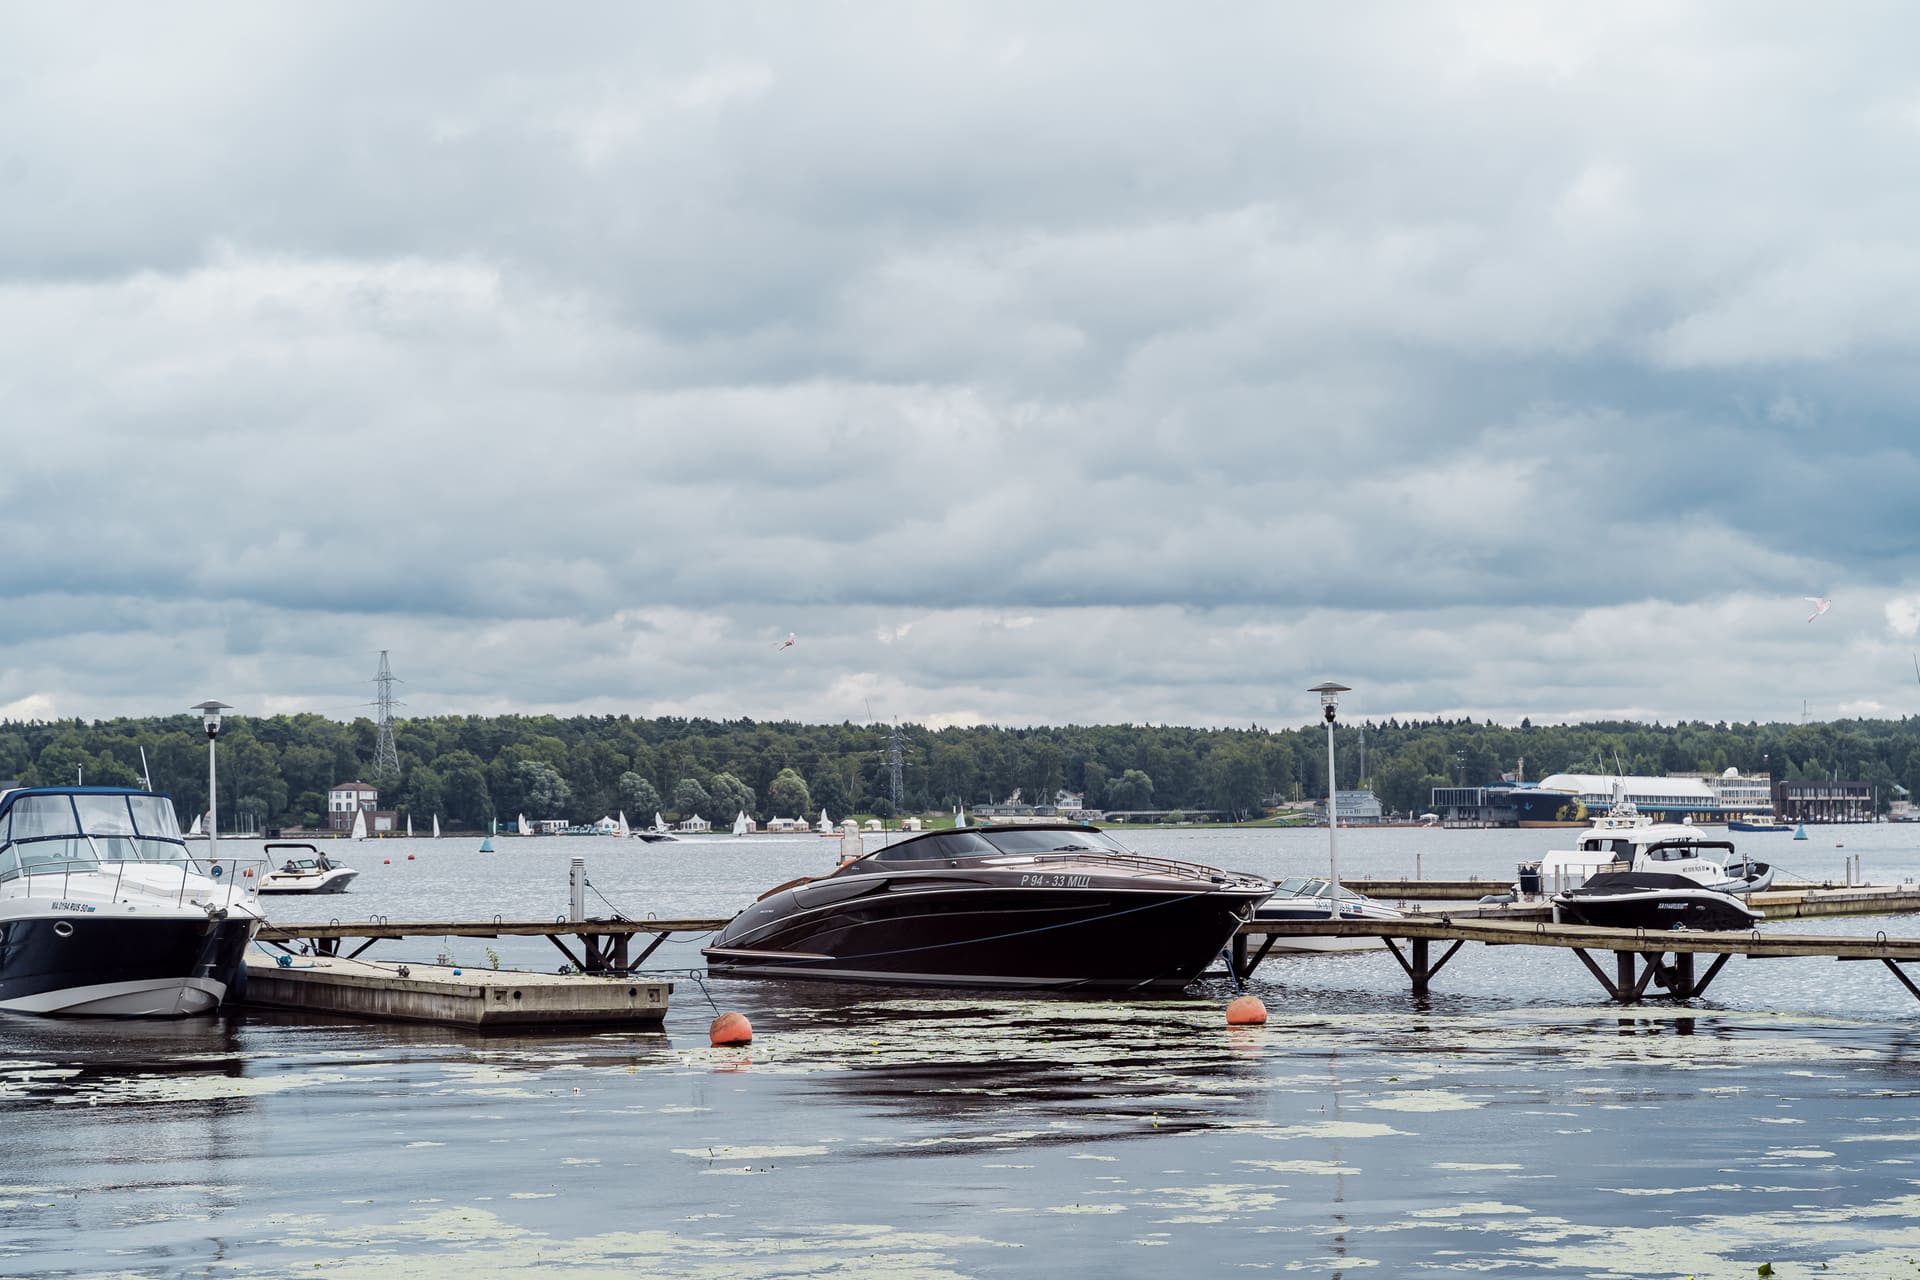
column 1820, row 605
column 785, row 644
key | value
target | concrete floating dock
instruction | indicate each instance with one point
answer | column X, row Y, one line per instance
column 483, row 998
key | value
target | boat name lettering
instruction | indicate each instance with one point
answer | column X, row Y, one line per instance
column 1055, row 880
column 71, row 906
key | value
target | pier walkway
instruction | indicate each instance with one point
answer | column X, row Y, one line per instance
column 1641, row 957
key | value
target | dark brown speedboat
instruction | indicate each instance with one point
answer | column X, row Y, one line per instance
column 1054, row 906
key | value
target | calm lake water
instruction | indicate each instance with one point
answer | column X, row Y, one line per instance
column 1514, row 1121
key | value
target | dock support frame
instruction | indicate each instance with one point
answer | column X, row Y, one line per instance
column 1418, row 970
column 1635, row 970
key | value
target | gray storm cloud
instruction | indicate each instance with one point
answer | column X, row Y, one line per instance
column 1031, row 367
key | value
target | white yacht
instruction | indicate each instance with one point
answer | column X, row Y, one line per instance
column 103, row 911
column 1623, row 841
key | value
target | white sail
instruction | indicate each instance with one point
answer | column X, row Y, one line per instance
column 960, row 816
column 359, row 824
column 409, row 826
column 436, row 826
column 825, row 827
column 525, row 830
column 195, row 830
column 625, row 830
column 658, row 825
column 740, row 824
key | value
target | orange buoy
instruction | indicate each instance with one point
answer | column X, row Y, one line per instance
column 730, row 1028
column 1246, row 1011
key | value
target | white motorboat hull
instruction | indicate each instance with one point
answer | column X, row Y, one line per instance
column 149, row 998
column 334, row 881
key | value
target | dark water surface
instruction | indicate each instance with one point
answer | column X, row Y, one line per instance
column 1514, row 1122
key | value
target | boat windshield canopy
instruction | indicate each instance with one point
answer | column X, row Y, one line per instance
column 983, row 842
column 75, row 828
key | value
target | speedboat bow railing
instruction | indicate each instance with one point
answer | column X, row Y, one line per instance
column 230, row 879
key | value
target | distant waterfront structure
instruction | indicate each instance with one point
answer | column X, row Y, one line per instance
column 1707, row 799
column 344, row 799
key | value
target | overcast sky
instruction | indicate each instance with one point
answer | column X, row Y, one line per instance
column 1030, row 363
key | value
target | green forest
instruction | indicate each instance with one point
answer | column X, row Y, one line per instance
column 275, row 771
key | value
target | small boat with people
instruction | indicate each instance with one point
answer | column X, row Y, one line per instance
column 105, row 912
column 1312, row 898
column 303, row 869
column 1045, row 905
column 655, row 834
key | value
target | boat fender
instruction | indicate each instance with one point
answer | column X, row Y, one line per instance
column 730, row 1028
column 1246, row 1011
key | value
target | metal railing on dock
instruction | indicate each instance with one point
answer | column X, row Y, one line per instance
column 605, row 946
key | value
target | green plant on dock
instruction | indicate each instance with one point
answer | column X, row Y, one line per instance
column 493, row 957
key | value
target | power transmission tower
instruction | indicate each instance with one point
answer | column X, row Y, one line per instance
column 896, row 761
column 386, row 757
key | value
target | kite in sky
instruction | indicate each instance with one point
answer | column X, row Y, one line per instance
column 1820, row 605
column 785, row 644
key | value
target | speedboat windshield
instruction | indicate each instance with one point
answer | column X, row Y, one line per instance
column 75, row 829
column 1015, row 840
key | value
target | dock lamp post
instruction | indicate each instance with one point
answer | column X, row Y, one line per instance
column 1330, row 703
column 210, row 717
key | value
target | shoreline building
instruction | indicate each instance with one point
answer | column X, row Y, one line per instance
column 345, row 798
column 1705, row 799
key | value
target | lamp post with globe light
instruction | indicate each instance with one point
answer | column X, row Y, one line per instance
column 1330, row 702
column 210, row 717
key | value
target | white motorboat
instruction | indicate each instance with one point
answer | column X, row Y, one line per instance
column 1303, row 898
column 104, row 912
column 1666, row 847
column 302, row 868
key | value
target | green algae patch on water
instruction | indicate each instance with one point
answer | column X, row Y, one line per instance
column 1424, row 1100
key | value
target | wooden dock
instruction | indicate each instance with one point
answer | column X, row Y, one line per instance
column 461, row 996
column 598, row 946
column 1780, row 904
column 1641, row 957
column 607, row 949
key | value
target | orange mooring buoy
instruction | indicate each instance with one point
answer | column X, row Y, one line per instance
column 730, row 1028
column 1246, row 1011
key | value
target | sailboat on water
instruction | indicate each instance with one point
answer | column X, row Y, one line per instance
column 824, row 827
column 195, row 832
column 409, row 826
column 436, row 826
column 960, row 815
column 623, row 828
column 740, row 824
column 359, row 831
column 524, row 828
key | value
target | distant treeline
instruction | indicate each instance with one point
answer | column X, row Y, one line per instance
column 276, row 771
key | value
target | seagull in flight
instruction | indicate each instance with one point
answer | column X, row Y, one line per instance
column 785, row 644
column 1820, row 605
